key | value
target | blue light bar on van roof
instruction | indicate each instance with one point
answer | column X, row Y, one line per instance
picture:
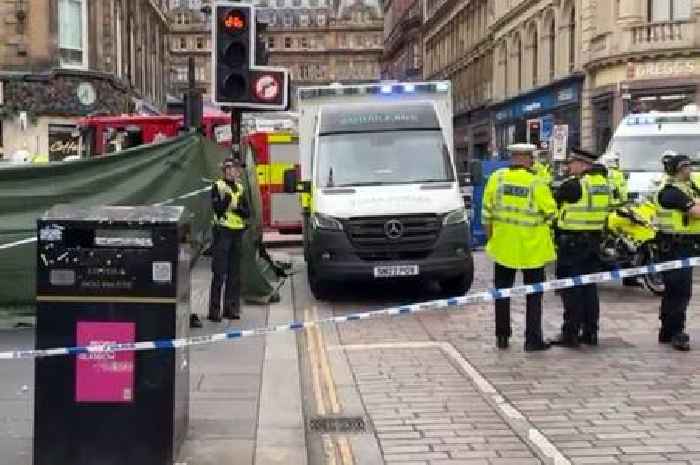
column 374, row 89
column 642, row 120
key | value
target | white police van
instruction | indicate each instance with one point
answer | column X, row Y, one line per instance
column 641, row 140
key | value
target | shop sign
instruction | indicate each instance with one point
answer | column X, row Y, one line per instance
column 560, row 136
column 663, row 68
column 542, row 101
column 566, row 95
column 63, row 141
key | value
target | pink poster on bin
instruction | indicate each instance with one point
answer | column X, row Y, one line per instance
column 104, row 376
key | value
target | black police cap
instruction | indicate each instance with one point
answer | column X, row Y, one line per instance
column 577, row 153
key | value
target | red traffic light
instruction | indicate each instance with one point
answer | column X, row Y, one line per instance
column 235, row 21
column 267, row 87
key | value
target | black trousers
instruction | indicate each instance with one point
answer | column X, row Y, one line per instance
column 577, row 255
column 678, row 290
column 504, row 277
column 226, row 269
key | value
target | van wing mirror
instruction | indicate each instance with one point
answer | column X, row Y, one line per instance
column 476, row 172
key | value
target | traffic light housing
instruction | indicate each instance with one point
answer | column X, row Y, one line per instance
column 238, row 81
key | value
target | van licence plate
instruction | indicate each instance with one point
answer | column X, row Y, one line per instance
column 394, row 271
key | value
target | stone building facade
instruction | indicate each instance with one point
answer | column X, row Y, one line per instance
column 324, row 41
column 403, row 40
column 459, row 47
column 521, row 67
column 63, row 59
column 639, row 56
column 190, row 36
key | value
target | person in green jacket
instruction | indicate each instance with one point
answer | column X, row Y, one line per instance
column 517, row 211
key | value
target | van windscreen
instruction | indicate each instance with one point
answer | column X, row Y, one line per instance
column 643, row 153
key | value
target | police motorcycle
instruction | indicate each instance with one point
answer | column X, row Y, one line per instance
column 629, row 241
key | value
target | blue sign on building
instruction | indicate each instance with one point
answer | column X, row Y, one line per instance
column 540, row 101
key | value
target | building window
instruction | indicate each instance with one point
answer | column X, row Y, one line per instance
column 270, row 42
column 287, row 42
column 183, row 43
column 280, row 3
column 288, row 20
column 296, row 3
column 304, row 20
column 552, row 49
column 200, row 42
column 304, row 43
column 572, row 39
column 72, row 33
column 518, row 45
column 321, row 20
column 181, row 73
column 534, row 50
column 669, row 10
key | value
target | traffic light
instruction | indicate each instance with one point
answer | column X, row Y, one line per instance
column 262, row 54
column 238, row 82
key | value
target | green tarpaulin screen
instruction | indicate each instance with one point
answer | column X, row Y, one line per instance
column 175, row 172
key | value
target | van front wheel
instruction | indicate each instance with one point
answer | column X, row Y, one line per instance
column 319, row 288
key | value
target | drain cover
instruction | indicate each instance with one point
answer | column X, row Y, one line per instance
column 337, row 424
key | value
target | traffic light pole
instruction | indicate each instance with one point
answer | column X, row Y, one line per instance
column 236, row 134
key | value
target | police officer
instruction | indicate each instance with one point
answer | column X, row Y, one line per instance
column 231, row 210
column 616, row 179
column 584, row 203
column 678, row 220
column 517, row 210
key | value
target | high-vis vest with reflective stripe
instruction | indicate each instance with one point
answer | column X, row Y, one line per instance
column 519, row 207
column 543, row 171
column 591, row 210
column 618, row 186
column 230, row 219
column 675, row 221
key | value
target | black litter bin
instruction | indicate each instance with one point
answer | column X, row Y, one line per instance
column 106, row 275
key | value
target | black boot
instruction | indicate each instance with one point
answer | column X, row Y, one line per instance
column 566, row 340
column 664, row 337
column 537, row 346
column 681, row 341
column 502, row 342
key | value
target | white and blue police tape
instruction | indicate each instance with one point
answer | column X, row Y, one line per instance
column 444, row 304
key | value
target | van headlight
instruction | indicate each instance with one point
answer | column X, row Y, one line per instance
column 320, row 221
column 461, row 215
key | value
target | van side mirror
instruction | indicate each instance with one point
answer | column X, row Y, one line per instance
column 477, row 173
column 290, row 181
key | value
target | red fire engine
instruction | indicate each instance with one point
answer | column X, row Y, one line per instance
column 275, row 153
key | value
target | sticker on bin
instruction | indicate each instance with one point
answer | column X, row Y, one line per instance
column 162, row 272
column 394, row 271
column 104, row 376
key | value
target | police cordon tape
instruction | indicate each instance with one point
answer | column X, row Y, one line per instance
column 469, row 299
